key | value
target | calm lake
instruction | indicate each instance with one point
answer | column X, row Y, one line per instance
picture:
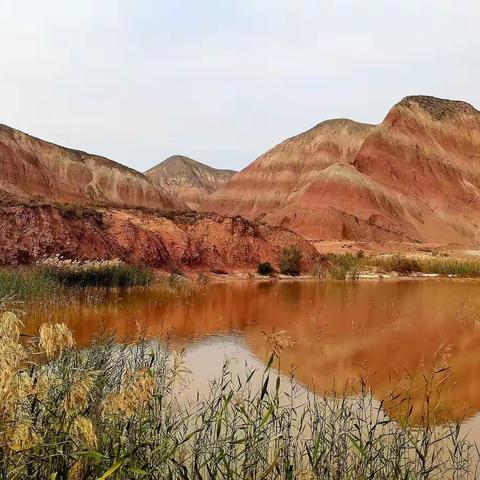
column 386, row 331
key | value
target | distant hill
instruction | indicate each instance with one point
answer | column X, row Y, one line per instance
column 187, row 179
column 31, row 168
column 415, row 177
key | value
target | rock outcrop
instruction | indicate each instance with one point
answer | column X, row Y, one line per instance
column 187, row 179
column 32, row 168
column 188, row 240
column 415, row 177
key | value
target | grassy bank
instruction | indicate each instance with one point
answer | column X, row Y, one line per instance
column 26, row 285
column 112, row 411
column 55, row 277
column 349, row 266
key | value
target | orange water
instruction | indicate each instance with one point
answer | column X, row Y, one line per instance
column 339, row 330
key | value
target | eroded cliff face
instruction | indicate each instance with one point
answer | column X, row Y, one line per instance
column 415, row 177
column 188, row 180
column 32, row 168
column 191, row 241
column 427, row 151
column 287, row 185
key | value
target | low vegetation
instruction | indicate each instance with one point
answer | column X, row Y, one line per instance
column 396, row 263
column 291, row 261
column 265, row 269
column 95, row 273
column 339, row 267
column 113, row 411
column 344, row 266
column 54, row 277
column 461, row 267
column 349, row 266
column 25, row 285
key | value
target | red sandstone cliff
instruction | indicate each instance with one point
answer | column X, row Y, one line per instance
column 189, row 240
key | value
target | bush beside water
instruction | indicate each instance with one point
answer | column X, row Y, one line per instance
column 265, row 269
column 28, row 284
column 290, row 261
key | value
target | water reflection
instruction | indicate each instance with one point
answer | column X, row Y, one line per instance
column 340, row 330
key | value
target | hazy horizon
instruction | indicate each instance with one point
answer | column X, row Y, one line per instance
column 222, row 82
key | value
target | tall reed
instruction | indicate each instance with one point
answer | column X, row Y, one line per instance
column 115, row 411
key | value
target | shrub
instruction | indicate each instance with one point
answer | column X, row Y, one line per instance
column 398, row 263
column 265, row 268
column 345, row 266
column 290, row 261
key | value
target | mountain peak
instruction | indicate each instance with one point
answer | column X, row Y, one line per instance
column 439, row 108
column 187, row 179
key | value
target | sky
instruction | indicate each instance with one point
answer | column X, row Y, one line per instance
column 222, row 81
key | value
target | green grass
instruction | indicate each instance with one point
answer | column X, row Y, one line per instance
column 57, row 278
column 338, row 267
column 27, row 284
column 98, row 274
column 114, row 411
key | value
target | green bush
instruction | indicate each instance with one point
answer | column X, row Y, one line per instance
column 265, row 269
column 290, row 261
column 345, row 266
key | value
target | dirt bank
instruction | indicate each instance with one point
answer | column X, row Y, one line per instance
column 167, row 241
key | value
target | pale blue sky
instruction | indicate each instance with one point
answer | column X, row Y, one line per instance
column 222, row 81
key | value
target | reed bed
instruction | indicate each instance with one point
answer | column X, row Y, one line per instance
column 26, row 284
column 349, row 266
column 446, row 266
column 54, row 280
column 94, row 273
column 114, row 411
column 339, row 267
column 461, row 267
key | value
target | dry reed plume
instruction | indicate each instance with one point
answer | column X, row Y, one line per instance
column 113, row 411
